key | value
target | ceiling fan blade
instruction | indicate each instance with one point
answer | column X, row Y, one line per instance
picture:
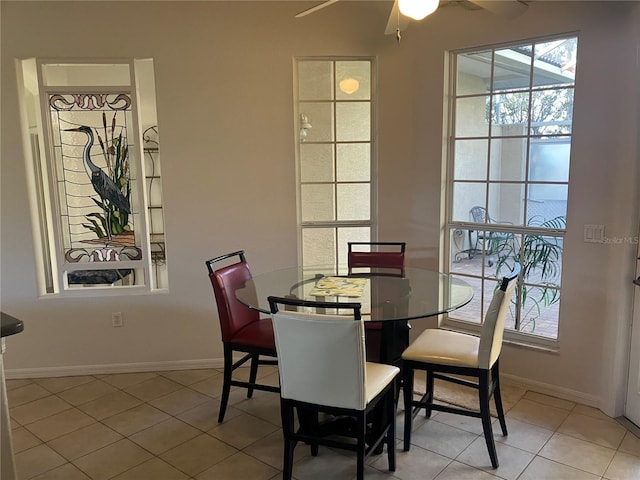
column 395, row 22
column 504, row 8
column 316, row 8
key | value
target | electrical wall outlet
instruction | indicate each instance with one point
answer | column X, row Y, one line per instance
column 116, row 319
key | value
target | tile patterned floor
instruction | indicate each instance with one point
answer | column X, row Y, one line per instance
column 163, row 426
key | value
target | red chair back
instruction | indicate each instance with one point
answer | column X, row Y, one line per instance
column 376, row 259
column 233, row 314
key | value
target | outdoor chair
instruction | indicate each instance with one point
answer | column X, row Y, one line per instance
column 447, row 355
column 488, row 240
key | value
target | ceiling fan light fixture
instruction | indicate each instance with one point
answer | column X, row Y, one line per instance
column 417, row 9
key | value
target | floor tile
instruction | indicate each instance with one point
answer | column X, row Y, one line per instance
column 549, row 400
column 545, row 416
column 23, row 439
column 179, row 401
column 154, row 469
column 623, row 467
column 112, row 460
column 125, row 380
column 543, row 469
column 238, row 466
column 205, row 416
column 37, row 460
column 424, row 465
column 630, row 444
column 85, row 440
column 59, row 384
column 153, row 388
column 242, row 430
column 198, row 454
column 27, row 393
column 524, row 436
column 39, row 409
column 189, row 377
column 110, row 404
column 443, row 439
column 86, row 392
column 592, row 429
column 460, row 471
column 593, row 412
column 165, row 435
column 577, row 453
column 68, row 471
column 136, row 419
column 512, row 460
column 60, row 424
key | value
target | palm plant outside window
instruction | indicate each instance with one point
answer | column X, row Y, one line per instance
column 508, row 162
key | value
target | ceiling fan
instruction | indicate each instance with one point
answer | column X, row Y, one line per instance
column 399, row 21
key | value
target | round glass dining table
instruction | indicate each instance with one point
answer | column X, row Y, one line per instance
column 392, row 297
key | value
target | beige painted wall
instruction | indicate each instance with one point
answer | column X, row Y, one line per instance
column 225, row 110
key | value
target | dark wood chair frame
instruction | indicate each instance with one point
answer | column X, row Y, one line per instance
column 252, row 353
column 374, row 426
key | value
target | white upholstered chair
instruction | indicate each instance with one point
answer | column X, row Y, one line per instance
column 323, row 370
column 445, row 355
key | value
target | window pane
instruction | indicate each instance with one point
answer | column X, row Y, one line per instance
column 542, row 259
column 510, row 114
column 320, row 117
column 351, row 234
column 552, row 112
column 470, row 162
column 316, row 163
column 541, row 311
column 512, row 69
column 471, row 117
column 319, row 246
column 65, row 75
column 546, row 212
column 466, row 196
column 354, row 162
column 549, row 160
column 317, row 203
column 353, row 121
column 353, row 80
column 555, row 62
column 354, row 201
column 505, row 203
column 315, row 80
column 474, row 73
column 472, row 311
column 508, row 159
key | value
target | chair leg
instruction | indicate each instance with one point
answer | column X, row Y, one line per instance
column 226, row 383
column 495, row 378
column 407, row 389
column 286, row 413
column 361, row 433
column 429, row 392
column 253, row 373
column 485, row 414
column 391, row 432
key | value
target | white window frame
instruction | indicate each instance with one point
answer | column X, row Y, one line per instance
column 455, row 228
column 43, row 191
column 336, row 225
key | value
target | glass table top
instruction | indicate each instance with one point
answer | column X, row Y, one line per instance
column 384, row 295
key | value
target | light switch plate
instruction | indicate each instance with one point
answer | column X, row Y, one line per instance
column 594, row 233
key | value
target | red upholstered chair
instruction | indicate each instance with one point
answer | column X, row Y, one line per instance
column 242, row 328
column 385, row 257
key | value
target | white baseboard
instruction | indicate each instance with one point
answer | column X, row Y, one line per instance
column 70, row 371
column 554, row 390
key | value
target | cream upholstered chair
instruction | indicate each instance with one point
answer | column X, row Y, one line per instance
column 323, row 369
column 443, row 353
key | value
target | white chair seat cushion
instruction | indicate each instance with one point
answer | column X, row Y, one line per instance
column 444, row 347
column 379, row 375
